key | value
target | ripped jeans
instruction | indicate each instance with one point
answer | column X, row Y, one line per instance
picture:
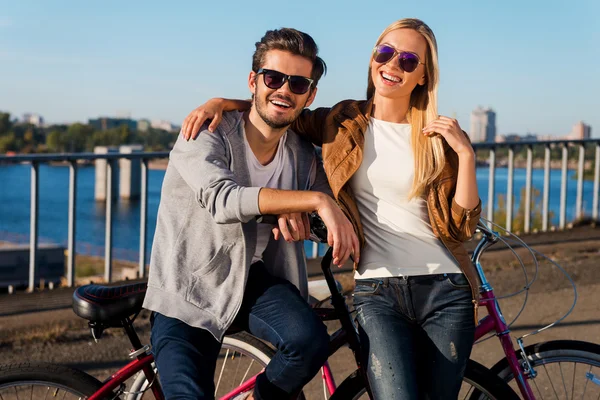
column 417, row 334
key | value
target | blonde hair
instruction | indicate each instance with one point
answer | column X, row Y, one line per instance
column 428, row 151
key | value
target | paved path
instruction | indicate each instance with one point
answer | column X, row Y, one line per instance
column 57, row 335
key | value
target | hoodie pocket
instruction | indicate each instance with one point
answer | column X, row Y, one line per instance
column 207, row 282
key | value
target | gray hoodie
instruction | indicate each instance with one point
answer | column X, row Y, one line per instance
column 206, row 230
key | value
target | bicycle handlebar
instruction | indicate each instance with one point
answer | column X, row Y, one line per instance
column 318, row 230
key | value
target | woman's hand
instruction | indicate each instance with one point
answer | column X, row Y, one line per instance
column 293, row 227
column 454, row 135
column 212, row 109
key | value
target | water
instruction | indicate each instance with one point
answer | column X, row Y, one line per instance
column 90, row 222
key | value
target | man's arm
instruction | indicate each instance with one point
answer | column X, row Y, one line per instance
column 204, row 166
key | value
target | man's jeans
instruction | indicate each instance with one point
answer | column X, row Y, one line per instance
column 417, row 334
column 273, row 310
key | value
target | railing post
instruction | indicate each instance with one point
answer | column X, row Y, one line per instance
column 72, row 218
column 143, row 218
column 509, row 188
column 108, row 234
column 596, row 183
column 546, row 195
column 580, row 172
column 563, row 187
column 491, row 185
column 529, row 171
column 33, row 226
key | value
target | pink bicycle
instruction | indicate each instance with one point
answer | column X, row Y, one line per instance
column 557, row 369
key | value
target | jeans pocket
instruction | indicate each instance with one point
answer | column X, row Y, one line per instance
column 458, row 281
column 366, row 287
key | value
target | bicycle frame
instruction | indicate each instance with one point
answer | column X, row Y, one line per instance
column 143, row 363
column 493, row 322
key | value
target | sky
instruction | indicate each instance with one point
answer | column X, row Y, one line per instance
column 536, row 63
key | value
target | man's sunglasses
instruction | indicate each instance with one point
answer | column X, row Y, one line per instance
column 275, row 79
column 408, row 61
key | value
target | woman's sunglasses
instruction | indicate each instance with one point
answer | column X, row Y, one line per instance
column 275, row 79
column 408, row 61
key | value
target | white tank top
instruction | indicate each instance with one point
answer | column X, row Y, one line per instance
column 399, row 238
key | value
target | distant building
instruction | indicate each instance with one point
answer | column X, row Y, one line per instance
column 106, row 123
column 143, row 125
column 580, row 131
column 483, row 125
column 164, row 125
column 33, row 119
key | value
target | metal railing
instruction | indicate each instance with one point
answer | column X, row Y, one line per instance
column 72, row 159
column 548, row 146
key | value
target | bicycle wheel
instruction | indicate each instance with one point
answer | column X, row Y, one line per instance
column 566, row 369
column 479, row 383
column 42, row 380
column 242, row 356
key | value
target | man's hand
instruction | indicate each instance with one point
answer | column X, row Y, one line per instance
column 292, row 226
column 340, row 233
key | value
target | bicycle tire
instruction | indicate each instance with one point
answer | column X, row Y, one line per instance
column 242, row 342
column 59, row 376
column 557, row 351
column 487, row 385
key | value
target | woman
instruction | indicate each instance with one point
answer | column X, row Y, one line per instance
column 406, row 179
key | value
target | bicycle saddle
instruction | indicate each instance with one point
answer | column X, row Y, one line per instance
column 99, row 303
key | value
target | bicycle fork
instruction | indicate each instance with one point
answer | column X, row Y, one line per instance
column 522, row 372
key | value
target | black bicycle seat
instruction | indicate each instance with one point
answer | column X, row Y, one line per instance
column 105, row 304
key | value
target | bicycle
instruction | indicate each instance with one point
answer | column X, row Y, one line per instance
column 107, row 307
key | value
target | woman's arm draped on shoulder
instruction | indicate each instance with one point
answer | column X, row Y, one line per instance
column 213, row 110
column 311, row 124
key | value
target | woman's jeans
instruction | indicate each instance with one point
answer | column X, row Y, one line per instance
column 417, row 334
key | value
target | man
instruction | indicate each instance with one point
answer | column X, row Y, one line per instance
column 213, row 265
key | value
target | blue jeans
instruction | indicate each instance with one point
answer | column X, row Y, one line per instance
column 273, row 310
column 417, row 334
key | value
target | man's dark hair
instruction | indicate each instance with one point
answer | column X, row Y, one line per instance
column 293, row 41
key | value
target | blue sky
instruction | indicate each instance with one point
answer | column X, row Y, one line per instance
column 535, row 62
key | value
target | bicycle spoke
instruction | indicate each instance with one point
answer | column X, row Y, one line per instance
column 246, row 374
column 538, row 389
column 586, row 382
column 16, row 393
column 221, row 373
column 550, row 379
column 573, row 387
column 238, row 367
column 31, row 397
column 563, row 379
column 47, row 391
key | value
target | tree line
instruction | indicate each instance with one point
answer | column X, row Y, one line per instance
column 26, row 138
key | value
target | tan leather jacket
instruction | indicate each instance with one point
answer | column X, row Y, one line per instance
column 340, row 132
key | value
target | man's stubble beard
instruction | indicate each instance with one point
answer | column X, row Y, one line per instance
column 261, row 109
